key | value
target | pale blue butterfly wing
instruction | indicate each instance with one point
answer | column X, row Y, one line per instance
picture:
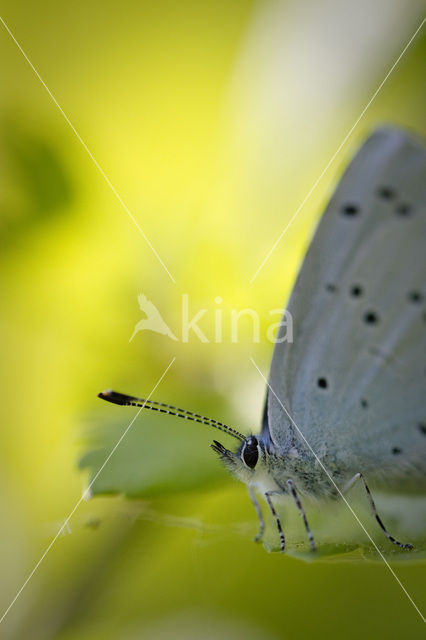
column 354, row 378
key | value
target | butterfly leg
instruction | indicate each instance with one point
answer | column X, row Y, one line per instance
column 259, row 514
column 302, row 513
column 276, row 517
column 359, row 476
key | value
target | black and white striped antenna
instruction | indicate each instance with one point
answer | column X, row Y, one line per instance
column 124, row 400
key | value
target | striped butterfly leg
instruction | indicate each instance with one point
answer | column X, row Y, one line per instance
column 256, row 505
column 276, row 517
column 302, row 513
column 350, row 484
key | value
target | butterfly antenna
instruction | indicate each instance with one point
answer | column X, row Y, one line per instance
column 124, row 400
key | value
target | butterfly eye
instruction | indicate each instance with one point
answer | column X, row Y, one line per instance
column 250, row 453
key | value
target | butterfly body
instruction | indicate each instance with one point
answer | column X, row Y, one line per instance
column 347, row 398
column 274, row 468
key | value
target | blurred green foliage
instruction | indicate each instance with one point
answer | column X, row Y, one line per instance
column 155, row 459
column 37, row 182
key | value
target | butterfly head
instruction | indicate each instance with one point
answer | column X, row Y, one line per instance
column 246, row 461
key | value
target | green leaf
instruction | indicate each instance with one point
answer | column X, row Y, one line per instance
column 157, row 456
column 342, row 536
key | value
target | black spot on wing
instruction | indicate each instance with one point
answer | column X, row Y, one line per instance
column 331, row 287
column 404, row 209
column 322, row 383
column 356, row 290
column 415, row 296
column 371, row 317
column 386, row 192
column 350, row 210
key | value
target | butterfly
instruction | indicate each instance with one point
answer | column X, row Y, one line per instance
column 345, row 400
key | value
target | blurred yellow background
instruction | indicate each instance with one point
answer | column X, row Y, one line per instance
column 212, row 121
